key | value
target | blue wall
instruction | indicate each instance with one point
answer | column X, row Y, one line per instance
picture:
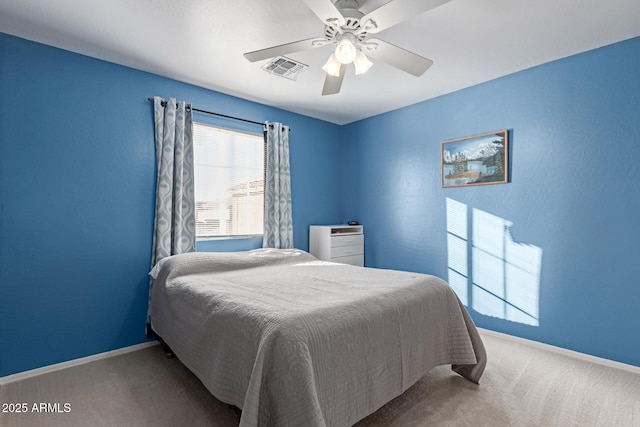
column 574, row 191
column 77, row 182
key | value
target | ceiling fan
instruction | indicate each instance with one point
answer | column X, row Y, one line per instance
column 349, row 29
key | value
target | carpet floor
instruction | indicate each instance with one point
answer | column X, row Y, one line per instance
column 522, row 386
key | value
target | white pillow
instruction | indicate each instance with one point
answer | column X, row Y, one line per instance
column 156, row 268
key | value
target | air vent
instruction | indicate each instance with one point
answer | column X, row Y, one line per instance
column 284, row 67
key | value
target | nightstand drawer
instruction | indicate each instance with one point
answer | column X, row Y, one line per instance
column 357, row 260
column 348, row 240
column 341, row 251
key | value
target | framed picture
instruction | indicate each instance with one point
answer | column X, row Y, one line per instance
column 476, row 160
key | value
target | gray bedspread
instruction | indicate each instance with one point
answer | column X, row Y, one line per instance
column 294, row 341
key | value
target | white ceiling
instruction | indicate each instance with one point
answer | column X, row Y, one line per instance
column 202, row 42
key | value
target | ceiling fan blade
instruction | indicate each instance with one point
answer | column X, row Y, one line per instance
column 397, row 11
column 332, row 84
column 397, row 57
column 326, row 10
column 283, row 49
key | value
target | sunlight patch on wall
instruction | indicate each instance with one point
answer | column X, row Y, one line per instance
column 457, row 249
column 490, row 272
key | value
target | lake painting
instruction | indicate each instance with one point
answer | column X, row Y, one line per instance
column 476, row 160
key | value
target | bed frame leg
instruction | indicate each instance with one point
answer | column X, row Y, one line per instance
column 152, row 334
column 167, row 350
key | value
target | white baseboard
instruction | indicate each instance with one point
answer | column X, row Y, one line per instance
column 81, row 361
column 570, row 353
column 559, row 350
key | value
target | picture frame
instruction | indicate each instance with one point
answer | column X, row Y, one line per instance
column 475, row 160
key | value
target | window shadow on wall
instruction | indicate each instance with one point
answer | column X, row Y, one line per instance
column 488, row 270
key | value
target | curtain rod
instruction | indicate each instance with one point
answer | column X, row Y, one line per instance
column 164, row 103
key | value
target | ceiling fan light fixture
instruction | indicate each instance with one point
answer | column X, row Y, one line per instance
column 346, row 50
column 362, row 63
column 347, row 29
column 332, row 66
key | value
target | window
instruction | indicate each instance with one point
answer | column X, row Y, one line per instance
column 229, row 182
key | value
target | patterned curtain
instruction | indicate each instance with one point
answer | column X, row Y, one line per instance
column 174, row 230
column 278, row 225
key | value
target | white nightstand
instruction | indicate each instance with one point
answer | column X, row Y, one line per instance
column 337, row 243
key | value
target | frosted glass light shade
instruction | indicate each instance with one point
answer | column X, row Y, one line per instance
column 346, row 51
column 332, row 67
column 362, row 63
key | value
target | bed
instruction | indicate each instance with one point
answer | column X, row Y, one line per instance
column 292, row 340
